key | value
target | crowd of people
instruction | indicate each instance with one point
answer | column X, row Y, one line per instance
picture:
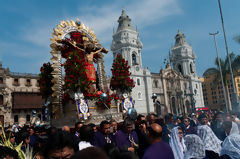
column 205, row 136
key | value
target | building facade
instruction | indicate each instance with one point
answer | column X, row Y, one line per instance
column 213, row 92
column 178, row 87
column 126, row 42
column 19, row 96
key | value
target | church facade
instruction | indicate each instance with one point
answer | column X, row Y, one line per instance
column 178, row 87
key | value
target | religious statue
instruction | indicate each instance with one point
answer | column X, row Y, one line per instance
column 92, row 52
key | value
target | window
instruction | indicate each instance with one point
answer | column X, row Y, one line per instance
column 134, row 59
column 191, row 68
column 28, row 82
column 185, row 85
column 15, row 82
column 138, row 82
column 1, row 80
column 38, row 83
column 15, row 118
column 1, row 99
column 27, row 117
column 156, row 83
column 139, row 95
column 196, row 86
column 180, row 68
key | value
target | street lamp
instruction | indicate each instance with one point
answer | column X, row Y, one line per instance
column 235, row 101
column 191, row 95
column 104, row 97
column 220, row 69
column 154, row 97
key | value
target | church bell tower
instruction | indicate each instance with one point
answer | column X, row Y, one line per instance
column 126, row 42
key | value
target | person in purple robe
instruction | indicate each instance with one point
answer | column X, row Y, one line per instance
column 158, row 148
column 103, row 136
column 126, row 139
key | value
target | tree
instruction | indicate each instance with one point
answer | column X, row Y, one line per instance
column 224, row 64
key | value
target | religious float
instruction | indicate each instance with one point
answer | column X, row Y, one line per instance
column 71, row 86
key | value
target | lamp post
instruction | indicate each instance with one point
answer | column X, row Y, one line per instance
column 104, row 97
column 191, row 95
column 235, row 101
column 220, row 69
column 154, row 97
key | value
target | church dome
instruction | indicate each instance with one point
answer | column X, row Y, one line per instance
column 124, row 22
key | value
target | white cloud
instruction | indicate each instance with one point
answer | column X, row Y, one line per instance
column 103, row 18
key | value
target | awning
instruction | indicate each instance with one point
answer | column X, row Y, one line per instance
column 27, row 100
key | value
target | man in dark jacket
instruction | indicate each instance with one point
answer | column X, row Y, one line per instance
column 217, row 127
column 188, row 129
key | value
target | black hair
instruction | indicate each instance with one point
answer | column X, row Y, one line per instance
column 87, row 133
column 8, row 152
column 59, row 140
column 91, row 124
column 104, row 122
column 77, row 123
column 127, row 122
column 111, row 150
column 90, row 153
column 139, row 117
column 127, row 155
column 187, row 118
column 9, row 134
column 21, row 136
column 201, row 116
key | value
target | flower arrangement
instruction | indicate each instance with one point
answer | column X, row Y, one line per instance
column 121, row 75
column 45, row 82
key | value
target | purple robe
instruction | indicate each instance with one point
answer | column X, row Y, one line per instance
column 122, row 139
column 99, row 139
column 159, row 150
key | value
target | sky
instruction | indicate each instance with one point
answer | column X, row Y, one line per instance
column 26, row 28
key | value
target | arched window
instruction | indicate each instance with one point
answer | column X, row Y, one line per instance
column 1, row 80
column 27, row 117
column 156, row 83
column 138, row 82
column 191, row 68
column 174, row 106
column 180, row 68
column 187, row 103
column 139, row 95
column 15, row 118
column 1, row 99
column 134, row 59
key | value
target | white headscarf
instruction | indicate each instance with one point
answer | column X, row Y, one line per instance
column 194, row 147
column 234, row 129
column 210, row 140
column 231, row 146
column 177, row 146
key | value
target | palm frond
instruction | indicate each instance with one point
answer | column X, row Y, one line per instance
column 237, row 39
column 6, row 142
column 236, row 64
column 211, row 71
